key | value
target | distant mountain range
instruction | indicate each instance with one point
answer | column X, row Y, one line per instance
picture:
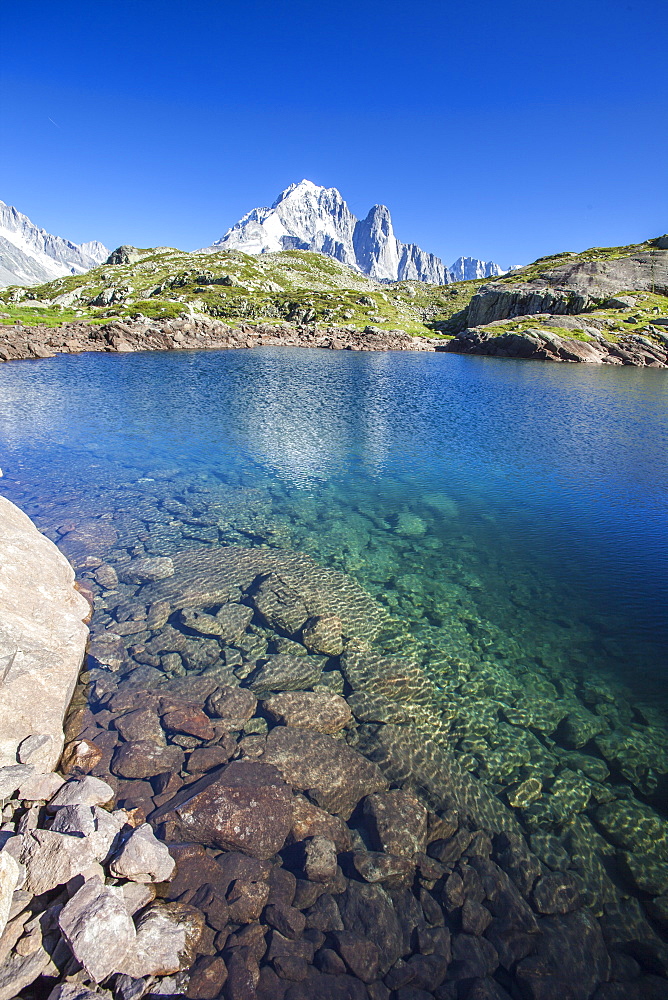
column 304, row 217
column 29, row 255
column 308, row 217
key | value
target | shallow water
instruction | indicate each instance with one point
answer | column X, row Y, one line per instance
column 540, row 490
column 510, row 516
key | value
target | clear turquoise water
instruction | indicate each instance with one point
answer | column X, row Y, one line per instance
column 512, row 512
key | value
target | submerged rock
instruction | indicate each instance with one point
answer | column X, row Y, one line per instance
column 325, row 713
column 334, row 774
column 245, row 806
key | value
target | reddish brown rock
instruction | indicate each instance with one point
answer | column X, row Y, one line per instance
column 318, row 710
column 247, row 900
column 245, row 807
column 80, row 756
column 143, row 759
column 334, row 774
column 207, row 758
column 321, row 860
column 207, row 978
column 397, row 821
column 309, row 820
column 233, row 705
column 191, row 721
column 142, row 724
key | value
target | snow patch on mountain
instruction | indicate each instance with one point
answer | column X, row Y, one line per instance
column 308, row 217
column 29, row 255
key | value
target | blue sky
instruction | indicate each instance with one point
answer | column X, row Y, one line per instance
column 504, row 131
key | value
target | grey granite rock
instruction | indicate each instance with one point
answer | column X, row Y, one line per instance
column 98, row 928
column 143, row 858
column 42, row 637
column 9, row 879
column 88, row 791
column 167, row 936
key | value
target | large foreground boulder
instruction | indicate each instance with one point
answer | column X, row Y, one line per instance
column 42, row 638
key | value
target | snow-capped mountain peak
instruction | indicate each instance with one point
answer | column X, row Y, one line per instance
column 307, row 216
column 29, row 255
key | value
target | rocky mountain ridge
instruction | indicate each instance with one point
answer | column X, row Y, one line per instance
column 29, row 255
column 605, row 305
column 307, row 216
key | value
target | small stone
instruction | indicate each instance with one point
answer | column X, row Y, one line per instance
column 88, row 791
column 80, row 756
column 98, row 929
column 143, row 858
column 106, row 576
column 472, row 958
column 476, row 918
column 287, row 920
column 245, row 806
column 322, row 634
column 557, row 892
column 234, row 706
column 143, row 759
column 375, row 866
column 191, row 721
column 73, row 991
column 522, row 795
column 207, row 978
column 142, row 724
column 207, row 758
column 321, row 711
column 147, row 570
column 247, row 900
column 321, row 859
column 309, row 820
column 279, row 605
column 334, row 774
column 646, row 872
column 137, row 895
column 360, row 955
column 12, row 776
column 233, row 620
column 283, row 672
column 99, row 827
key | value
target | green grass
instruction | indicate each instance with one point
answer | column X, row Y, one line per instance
column 295, row 286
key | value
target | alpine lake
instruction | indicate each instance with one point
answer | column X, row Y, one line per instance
column 492, row 534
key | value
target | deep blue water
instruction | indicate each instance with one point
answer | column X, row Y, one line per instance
column 529, row 496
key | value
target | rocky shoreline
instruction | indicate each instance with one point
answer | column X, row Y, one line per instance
column 537, row 344
column 196, row 333
column 260, row 794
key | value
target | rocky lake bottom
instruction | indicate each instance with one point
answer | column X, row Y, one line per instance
column 412, row 605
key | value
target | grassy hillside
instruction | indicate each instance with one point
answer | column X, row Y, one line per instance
column 295, row 286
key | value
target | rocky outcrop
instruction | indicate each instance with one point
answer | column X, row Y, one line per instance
column 570, row 288
column 542, row 345
column 42, row 642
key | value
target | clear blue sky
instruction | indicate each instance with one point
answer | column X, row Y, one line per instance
column 503, row 130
